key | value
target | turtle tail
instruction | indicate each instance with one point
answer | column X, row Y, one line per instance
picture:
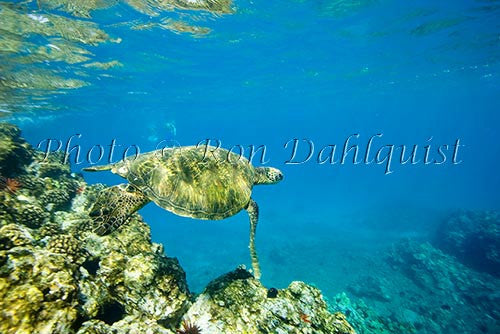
column 97, row 168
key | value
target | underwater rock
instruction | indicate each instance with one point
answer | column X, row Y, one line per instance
column 474, row 238
column 137, row 275
column 32, row 183
column 365, row 320
column 128, row 325
column 14, row 151
column 370, row 287
column 5, row 217
column 238, row 303
column 22, row 210
column 428, row 267
column 457, row 299
column 38, row 292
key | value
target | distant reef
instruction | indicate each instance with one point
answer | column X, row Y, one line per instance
column 57, row 276
column 474, row 238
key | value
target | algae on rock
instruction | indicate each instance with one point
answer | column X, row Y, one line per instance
column 238, row 303
column 38, row 290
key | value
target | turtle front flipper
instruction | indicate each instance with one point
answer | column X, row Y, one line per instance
column 114, row 206
column 253, row 213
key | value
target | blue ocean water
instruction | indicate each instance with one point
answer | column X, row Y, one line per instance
column 417, row 73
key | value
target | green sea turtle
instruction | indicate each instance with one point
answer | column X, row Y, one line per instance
column 199, row 182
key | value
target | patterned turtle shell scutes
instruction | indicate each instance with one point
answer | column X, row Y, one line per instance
column 192, row 182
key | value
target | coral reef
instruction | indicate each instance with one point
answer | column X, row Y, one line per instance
column 474, row 238
column 365, row 320
column 136, row 275
column 31, row 215
column 128, row 325
column 20, row 209
column 38, row 291
column 14, row 153
column 65, row 244
column 12, row 235
column 49, row 228
column 239, row 297
column 10, row 185
column 370, row 287
column 57, row 276
column 451, row 298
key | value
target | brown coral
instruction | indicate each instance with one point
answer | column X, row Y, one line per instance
column 49, row 228
column 65, row 244
column 13, row 235
column 30, row 215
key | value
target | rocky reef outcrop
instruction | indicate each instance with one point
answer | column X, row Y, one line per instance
column 252, row 308
column 57, row 276
column 14, row 152
column 366, row 320
column 474, row 238
column 451, row 297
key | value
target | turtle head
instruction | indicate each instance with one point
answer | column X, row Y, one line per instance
column 268, row 175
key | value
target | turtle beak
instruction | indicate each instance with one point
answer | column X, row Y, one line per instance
column 279, row 177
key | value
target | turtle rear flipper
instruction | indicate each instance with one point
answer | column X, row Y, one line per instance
column 253, row 214
column 114, row 206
